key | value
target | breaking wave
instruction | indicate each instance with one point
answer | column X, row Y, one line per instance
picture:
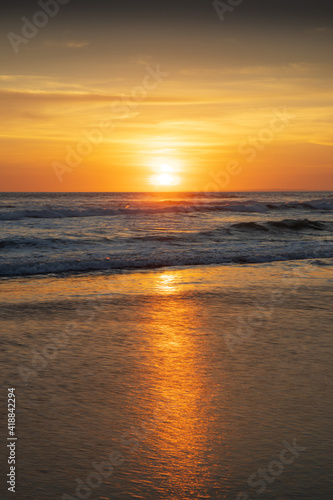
column 168, row 207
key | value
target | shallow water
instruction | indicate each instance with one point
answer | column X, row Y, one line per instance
column 196, row 376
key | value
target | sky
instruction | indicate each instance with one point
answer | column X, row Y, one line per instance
column 169, row 95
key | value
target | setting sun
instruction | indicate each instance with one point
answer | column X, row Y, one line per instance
column 165, row 176
column 165, row 180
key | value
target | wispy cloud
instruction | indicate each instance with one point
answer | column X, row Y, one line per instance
column 70, row 44
column 273, row 70
column 322, row 29
column 15, row 78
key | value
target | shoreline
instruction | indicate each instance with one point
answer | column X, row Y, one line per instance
column 44, row 288
column 320, row 261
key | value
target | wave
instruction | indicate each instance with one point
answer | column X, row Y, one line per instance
column 283, row 225
column 269, row 228
column 51, row 242
column 150, row 259
column 168, row 207
column 29, row 242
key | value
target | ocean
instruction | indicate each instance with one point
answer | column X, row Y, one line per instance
column 169, row 346
column 47, row 233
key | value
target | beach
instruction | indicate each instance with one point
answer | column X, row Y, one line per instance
column 166, row 250
column 178, row 383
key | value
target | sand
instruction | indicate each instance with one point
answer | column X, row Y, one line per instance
column 185, row 383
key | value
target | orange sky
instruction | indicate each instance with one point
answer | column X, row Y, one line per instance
column 212, row 107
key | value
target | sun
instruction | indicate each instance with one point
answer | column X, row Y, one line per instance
column 165, row 176
column 164, row 179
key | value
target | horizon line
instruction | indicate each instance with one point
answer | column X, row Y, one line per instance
column 173, row 192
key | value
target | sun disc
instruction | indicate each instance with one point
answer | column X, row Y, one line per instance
column 164, row 179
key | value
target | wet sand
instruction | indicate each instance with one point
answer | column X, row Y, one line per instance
column 182, row 382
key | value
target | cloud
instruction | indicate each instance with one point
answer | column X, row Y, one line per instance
column 16, row 78
column 270, row 70
column 30, row 96
column 33, row 96
column 70, row 44
column 322, row 29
